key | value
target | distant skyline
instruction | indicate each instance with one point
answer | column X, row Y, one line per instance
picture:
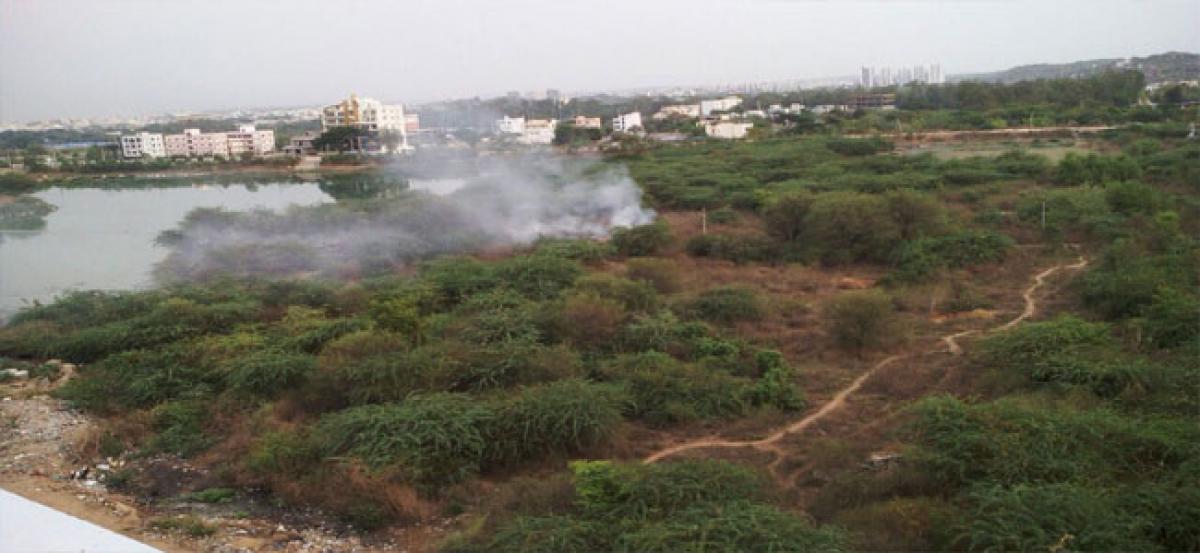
column 124, row 58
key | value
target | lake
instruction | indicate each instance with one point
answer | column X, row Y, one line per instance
column 103, row 238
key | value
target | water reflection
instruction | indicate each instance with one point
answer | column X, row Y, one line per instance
column 103, row 238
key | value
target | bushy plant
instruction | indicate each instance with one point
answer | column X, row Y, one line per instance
column 268, row 373
column 433, row 440
column 658, row 273
column 861, row 320
column 641, row 240
column 727, row 304
column 561, row 417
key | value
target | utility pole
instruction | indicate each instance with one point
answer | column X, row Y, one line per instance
column 704, row 220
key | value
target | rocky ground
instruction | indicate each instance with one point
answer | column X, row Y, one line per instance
column 158, row 501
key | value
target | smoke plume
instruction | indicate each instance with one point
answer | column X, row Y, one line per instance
column 504, row 201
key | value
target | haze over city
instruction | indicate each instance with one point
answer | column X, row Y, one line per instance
column 66, row 58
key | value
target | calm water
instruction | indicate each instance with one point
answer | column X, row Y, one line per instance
column 104, row 238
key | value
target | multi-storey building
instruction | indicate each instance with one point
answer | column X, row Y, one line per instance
column 538, row 131
column 367, row 114
column 627, row 122
column 510, row 125
column 887, row 76
column 143, row 144
column 727, row 129
column 247, row 139
column 680, row 110
column 707, row 107
column 583, row 122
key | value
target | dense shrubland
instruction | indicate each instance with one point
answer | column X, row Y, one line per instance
column 428, row 381
column 1075, row 431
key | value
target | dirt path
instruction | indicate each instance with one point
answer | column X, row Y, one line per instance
column 770, row 444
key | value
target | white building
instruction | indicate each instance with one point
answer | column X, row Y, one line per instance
column 510, row 125
column 887, row 76
column 628, row 122
column 582, row 122
column 727, row 129
column 195, row 143
column 680, row 110
column 247, row 139
column 538, row 131
column 723, row 104
column 143, row 144
column 368, row 114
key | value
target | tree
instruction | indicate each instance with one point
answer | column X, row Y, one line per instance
column 861, row 320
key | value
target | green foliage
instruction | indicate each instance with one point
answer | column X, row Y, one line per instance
column 180, row 428
column 776, row 386
column 1009, row 443
column 858, row 146
column 664, row 391
column 1095, row 169
column 861, row 320
column 919, row 259
column 659, row 273
column 212, row 495
column 735, row 248
column 1052, row 517
column 25, row 213
column 582, row 250
column 567, row 416
column 1172, row 319
column 727, row 304
column 684, row 506
column 186, row 524
column 641, row 240
column 538, row 276
column 433, row 440
column 267, row 373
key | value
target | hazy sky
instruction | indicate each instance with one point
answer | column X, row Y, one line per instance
column 61, row 58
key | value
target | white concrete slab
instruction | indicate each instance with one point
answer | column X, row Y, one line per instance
column 29, row 527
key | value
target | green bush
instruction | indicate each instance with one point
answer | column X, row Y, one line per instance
column 433, row 440
column 858, row 146
column 1172, row 319
column 664, row 391
column 736, row 248
column 179, row 428
column 538, row 276
column 641, row 240
column 861, row 320
column 1008, row 443
column 727, row 304
column 267, row 373
column 567, row 416
column 658, row 273
column 1051, row 517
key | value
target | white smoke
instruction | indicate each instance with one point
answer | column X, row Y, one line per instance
column 506, row 201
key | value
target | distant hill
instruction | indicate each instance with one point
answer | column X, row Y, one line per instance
column 1171, row 66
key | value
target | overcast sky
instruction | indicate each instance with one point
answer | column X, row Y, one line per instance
column 62, row 58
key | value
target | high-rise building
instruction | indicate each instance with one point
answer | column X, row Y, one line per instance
column 143, row 144
column 367, row 114
column 888, row 76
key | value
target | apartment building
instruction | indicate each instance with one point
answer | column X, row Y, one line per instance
column 368, row 114
column 143, row 144
column 193, row 143
column 707, row 107
column 582, row 122
column 249, row 140
column 680, row 110
column 538, row 131
column 510, row 125
column 627, row 122
column 727, row 129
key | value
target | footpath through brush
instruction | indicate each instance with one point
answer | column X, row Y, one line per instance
column 770, row 443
